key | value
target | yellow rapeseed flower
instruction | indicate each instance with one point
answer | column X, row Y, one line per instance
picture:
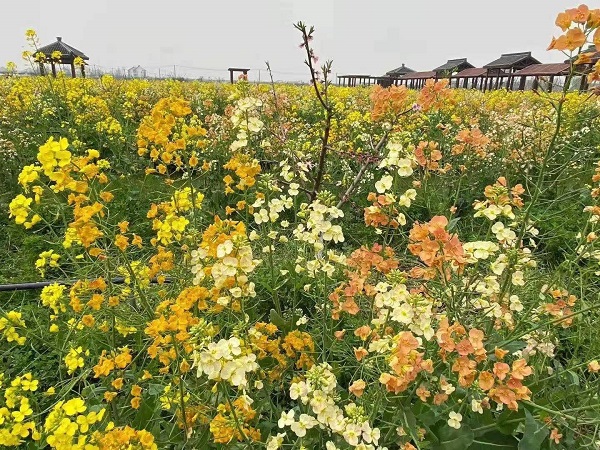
column 74, row 406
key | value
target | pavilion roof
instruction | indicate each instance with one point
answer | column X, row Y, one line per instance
column 402, row 70
column 66, row 51
column 471, row 72
column 419, row 75
column 454, row 64
column 508, row 60
column 545, row 69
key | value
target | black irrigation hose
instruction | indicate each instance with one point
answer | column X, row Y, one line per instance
column 42, row 284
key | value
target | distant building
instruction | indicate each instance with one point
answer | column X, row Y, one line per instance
column 505, row 67
column 399, row 72
column 452, row 66
column 136, row 72
column 511, row 71
column 394, row 75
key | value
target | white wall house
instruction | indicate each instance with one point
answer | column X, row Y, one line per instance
column 136, row 72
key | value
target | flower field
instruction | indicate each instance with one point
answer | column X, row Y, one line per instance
column 300, row 267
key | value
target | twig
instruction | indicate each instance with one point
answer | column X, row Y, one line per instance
column 354, row 184
column 365, row 165
column 306, row 37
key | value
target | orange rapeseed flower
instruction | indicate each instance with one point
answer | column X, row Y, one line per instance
column 572, row 40
column 389, row 102
column 357, row 388
column 579, row 14
column 563, row 20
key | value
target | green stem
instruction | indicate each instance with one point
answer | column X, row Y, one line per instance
column 548, row 410
column 233, row 413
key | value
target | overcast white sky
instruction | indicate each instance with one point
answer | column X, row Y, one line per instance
column 361, row 36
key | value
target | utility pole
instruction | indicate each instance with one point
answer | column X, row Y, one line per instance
column 174, row 71
column 159, row 72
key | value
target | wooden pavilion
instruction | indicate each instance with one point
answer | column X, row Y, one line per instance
column 582, row 69
column 417, row 80
column 452, row 67
column 498, row 74
column 237, row 69
column 356, row 80
column 471, row 78
column 68, row 55
column 399, row 71
column 394, row 75
column 505, row 67
column 545, row 73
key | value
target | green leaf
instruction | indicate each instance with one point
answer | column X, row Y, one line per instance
column 452, row 224
column 515, row 346
column 425, row 414
column 267, row 363
column 494, row 440
column 155, row 389
column 145, row 414
column 452, row 439
column 487, row 418
column 534, row 435
column 509, row 420
column 574, row 377
column 276, row 319
column 408, row 418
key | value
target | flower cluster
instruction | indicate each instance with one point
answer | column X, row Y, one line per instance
column 168, row 218
column 16, row 413
column 318, row 391
column 124, row 437
column 404, row 360
column 245, row 168
column 385, row 211
column 428, row 156
column 67, row 426
column 223, row 262
column 388, row 103
column 472, row 142
column 109, row 362
column 500, row 201
column 435, row 95
column 245, row 119
column 74, row 359
column 228, row 360
column 435, row 246
column 577, row 23
column 9, row 325
column 231, row 422
column 173, row 326
column 363, row 264
column 561, row 306
column 20, row 209
column 47, row 259
column 315, row 231
column 171, row 134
